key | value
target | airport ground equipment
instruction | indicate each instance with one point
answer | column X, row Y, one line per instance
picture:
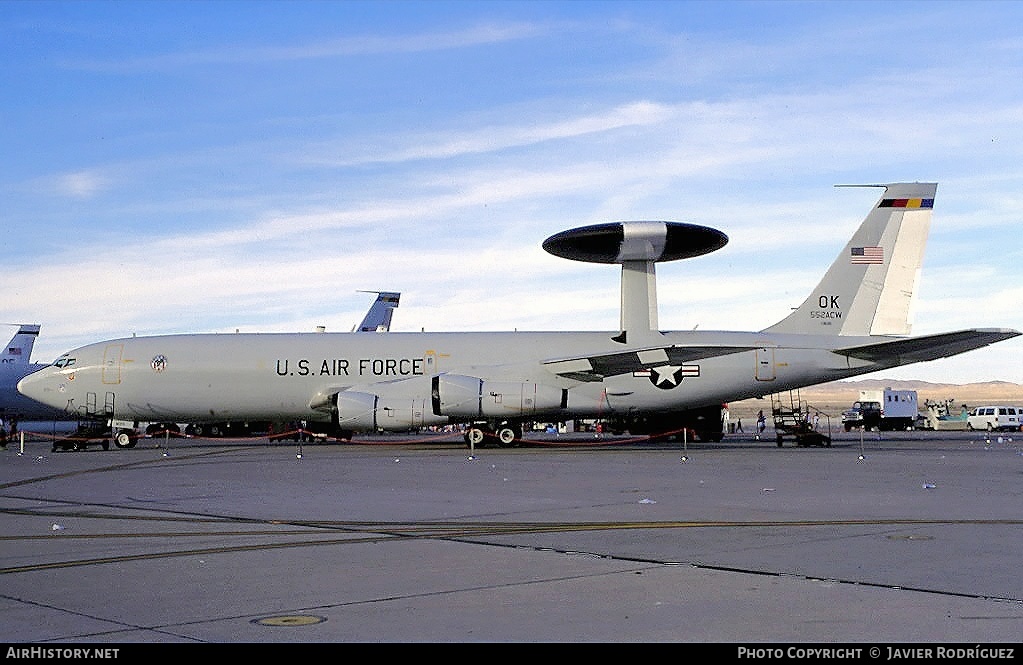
column 796, row 419
column 87, row 433
column 944, row 416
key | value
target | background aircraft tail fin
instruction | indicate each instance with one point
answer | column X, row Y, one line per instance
column 378, row 318
column 19, row 349
column 870, row 288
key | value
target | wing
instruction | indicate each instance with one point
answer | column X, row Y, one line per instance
column 928, row 347
column 597, row 367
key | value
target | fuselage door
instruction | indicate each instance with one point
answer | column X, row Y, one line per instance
column 112, row 364
column 764, row 370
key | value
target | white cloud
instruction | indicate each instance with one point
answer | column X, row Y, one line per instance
column 342, row 47
column 487, row 139
column 80, row 185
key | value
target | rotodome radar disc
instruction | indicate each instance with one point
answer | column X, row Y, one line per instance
column 617, row 242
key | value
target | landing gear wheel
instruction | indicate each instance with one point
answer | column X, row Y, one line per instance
column 475, row 437
column 506, row 437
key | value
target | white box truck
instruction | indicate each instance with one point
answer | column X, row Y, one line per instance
column 883, row 410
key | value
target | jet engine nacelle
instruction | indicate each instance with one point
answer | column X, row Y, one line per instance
column 367, row 412
column 472, row 397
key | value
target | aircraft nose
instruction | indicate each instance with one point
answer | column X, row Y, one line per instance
column 38, row 386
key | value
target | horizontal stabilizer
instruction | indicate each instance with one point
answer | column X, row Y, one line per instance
column 928, row 347
column 596, row 367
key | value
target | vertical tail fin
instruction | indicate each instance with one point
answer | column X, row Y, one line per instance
column 869, row 289
column 378, row 318
column 19, row 349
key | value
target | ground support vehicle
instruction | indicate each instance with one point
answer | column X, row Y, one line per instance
column 865, row 414
column 883, row 410
column 123, row 435
column 794, row 418
column 943, row 416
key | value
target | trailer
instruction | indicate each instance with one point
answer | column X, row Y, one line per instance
column 85, row 434
column 794, row 418
column 123, row 434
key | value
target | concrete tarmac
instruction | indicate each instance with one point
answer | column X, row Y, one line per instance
column 906, row 537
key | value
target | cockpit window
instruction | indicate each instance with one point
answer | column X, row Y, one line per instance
column 64, row 361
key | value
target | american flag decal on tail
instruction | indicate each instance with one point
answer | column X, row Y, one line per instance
column 866, row 255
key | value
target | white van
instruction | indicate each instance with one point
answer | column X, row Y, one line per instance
column 995, row 418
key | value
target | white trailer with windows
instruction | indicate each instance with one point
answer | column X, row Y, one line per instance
column 898, row 410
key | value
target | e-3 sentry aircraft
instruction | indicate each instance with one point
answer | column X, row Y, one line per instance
column 637, row 378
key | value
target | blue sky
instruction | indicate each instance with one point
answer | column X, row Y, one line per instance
column 219, row 166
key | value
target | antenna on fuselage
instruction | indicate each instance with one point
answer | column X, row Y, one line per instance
column 638, row 247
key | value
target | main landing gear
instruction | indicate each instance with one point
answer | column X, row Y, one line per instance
column 480, row 435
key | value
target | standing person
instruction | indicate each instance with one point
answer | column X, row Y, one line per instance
column 761, row 423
